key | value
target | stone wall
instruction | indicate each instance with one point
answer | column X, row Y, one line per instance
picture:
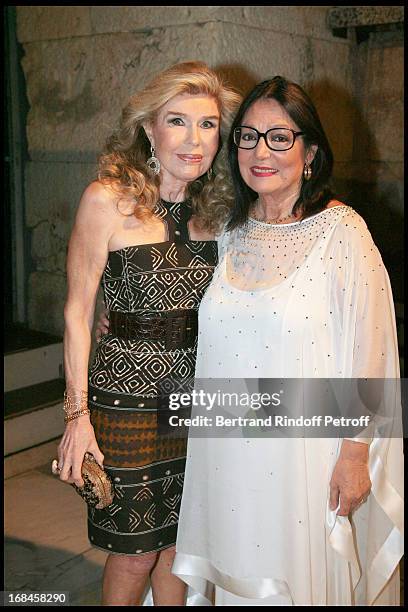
column 375, row 186
column 82, row 63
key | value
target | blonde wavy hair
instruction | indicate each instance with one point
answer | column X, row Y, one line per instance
column 122, row 164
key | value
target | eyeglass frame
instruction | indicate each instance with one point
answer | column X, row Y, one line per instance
column 264, row 134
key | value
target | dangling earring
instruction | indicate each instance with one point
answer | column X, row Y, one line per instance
column 307, row 172
column 153, row 163
column 209, row 174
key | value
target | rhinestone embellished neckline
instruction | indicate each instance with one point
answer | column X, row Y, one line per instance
column 269, row 225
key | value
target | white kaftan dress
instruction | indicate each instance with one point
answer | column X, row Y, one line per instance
column 302, row 300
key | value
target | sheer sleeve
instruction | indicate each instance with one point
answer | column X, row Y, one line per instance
column 370, row 351
column 364, row 299
column 222, row 241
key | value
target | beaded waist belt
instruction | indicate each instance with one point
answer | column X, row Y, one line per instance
column 176, row 328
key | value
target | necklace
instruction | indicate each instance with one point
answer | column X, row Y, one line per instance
column 276, row 220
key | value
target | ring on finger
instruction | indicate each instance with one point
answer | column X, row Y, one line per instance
column 54, row 467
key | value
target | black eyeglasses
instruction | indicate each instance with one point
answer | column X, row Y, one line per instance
column 277, row 139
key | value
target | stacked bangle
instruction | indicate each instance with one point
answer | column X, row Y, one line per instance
column 75, row 415
column 75, row 404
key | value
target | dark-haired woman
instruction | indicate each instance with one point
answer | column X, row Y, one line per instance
column 300, row 292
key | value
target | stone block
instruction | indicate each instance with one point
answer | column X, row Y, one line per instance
column 46, row 299
column 384, row 103
column 106, row 19
column 297, row 20
column 307, row 21
column 321, row 67
column 75, row 91
column 52, row 194
column 368, row 171
column 53, row 190
column 52, row 22
column 354, row 16
column 248, row 59
column 78, row 87
column 330, row 86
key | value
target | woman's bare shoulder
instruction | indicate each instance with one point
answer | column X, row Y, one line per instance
column 99, row 193
column 333, row 203
column 101, row 199
column 97, row 208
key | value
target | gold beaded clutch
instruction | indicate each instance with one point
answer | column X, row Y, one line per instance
column 98, row 489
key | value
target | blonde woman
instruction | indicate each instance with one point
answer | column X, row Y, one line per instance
column 146, row 229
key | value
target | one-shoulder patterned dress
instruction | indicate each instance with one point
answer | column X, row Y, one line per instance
column 126, row 380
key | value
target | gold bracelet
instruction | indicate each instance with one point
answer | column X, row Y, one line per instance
column 75, row 415
column 75, row 401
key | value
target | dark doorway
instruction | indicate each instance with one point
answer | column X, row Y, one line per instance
column 15, row 156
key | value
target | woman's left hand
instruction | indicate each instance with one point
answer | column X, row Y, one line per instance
column 350, row 479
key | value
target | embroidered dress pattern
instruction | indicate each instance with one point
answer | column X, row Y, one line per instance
column 126, row 383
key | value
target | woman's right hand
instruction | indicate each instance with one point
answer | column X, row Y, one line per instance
column 102, row 325
column 78, row 438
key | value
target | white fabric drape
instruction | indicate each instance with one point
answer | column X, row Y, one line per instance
column 305, row 300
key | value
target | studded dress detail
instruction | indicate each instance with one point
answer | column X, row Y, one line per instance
column 127, row 377
column 307, row 300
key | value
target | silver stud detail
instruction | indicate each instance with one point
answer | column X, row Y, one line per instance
column 117, row 479
column 168, row 472
column 116, row 402
column 94, row 398
column 139, row 550
column 140, row 405
column 145, row 477
column 177, row 233
column 109, row 545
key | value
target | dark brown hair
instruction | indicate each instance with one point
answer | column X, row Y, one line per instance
column 315, row 193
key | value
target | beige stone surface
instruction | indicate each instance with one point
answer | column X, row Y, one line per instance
column 298, row 20
column 52, row 192
column 44, row 525
column 47, row 547
column 46, row 299
column 384, row 103
column 36, row 23
column 30, row 459
column 49, row 22
column 249, row 59
column 330, row 88
column 77, row 87
column 133, row 18
column 322, row 67
column 309, row 21
column 47, row 295
column 373, row 171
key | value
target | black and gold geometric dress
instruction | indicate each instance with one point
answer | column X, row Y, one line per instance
column 127, row 377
